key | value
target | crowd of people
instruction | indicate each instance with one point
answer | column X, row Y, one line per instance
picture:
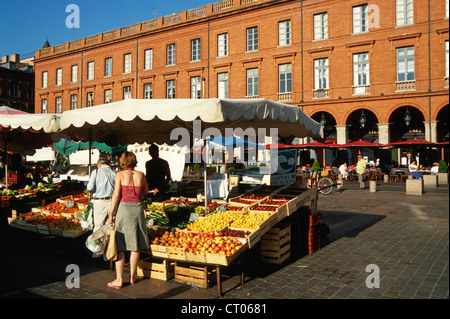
column 362, row 169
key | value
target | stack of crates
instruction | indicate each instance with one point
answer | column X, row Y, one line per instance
column 276, row 244
column 314, row 232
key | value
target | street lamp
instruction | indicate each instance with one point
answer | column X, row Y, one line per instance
column 362, row 120
column 407, row 118
column 323, row 121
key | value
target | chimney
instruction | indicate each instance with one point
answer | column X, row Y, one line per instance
column 15, row 58
column 5, row 59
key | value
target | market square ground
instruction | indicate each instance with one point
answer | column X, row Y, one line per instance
column 406, row 236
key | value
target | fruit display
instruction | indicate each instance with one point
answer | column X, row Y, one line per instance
column 250, row 220
column 234, row 208
column 198, row 243
column 221, row 220
column 214, row 222
column 274, row 202
column 235, row 233
column 253, row 196
column 242, row 201
column 264, row 208
column 53, row 221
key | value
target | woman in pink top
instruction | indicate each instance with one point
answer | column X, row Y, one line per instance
column 131, row 231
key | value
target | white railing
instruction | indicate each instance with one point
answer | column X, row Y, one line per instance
column 248, row 1
column 175, row 17
column 222, row 5
column 321, row 93
column 197, row 12
column 406, row 85
column 287, row 96
column 249, row 97
column 361, row 89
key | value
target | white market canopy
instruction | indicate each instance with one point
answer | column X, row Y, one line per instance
column 24, row 133
column 139, row 121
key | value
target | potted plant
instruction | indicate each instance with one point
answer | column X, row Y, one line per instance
column 443, row 172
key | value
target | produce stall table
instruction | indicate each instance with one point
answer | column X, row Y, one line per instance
column 256, row 212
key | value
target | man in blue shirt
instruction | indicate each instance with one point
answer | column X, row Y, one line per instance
column 101, row 184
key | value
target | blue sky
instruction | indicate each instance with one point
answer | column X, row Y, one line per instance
column 25, row 25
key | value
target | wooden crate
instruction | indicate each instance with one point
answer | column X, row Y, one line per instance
column 43, row 229
column 158, row 251
column 74, row 233
column 275, row 254
column 203, row 277
column 156, row 269
column 277, row 236
column 276, row 244
column 176, row 253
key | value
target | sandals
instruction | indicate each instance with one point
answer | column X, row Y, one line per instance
column 110, row 285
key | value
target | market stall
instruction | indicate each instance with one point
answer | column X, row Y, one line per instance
column 237, row 224
column 24, row 133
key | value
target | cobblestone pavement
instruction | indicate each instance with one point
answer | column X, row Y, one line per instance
column 405, row 236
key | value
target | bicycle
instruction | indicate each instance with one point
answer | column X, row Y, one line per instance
column 324, row 185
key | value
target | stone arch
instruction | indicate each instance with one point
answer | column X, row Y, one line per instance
column 350, row 111
column 404, row 104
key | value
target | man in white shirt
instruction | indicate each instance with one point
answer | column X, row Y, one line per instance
column 101, row 184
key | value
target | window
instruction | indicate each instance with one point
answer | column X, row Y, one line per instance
column 108, row 66
column 90, row 99
column 284, row 33
column 126, row 92
column 14, row 88
column 405, row 64
column 74, row 75
column 446, row 9
column 321, row 78
column 44, row 79
column 58, row 76
column 73, row 101
column 171, row 54
column 321, row 26
column 361, row 73
column 196, row 87
column 148, row 91
column 222, row 44
column 170, row 89
column 222, row 85
column 108, row 96
column 58, row 105
column 90, row 70
column 360, row 19
column 252, row 82
column 404, row 12
column 127, row 63
column 195, row 50
column 285, row 78
column 252, row 39
column 44, row 106
column 148, row 59
column 446, row 62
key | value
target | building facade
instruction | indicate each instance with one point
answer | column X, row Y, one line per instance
column 17, row 83
column 374, row 70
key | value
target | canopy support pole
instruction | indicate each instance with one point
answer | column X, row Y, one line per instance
column 205, row 171
column 6, row 163
column 90, row 150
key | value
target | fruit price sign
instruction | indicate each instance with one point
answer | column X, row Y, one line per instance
column 285, row 171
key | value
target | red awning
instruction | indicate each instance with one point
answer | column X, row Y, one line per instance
column 411, row 142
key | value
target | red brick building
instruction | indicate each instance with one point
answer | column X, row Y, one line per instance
column 374, row 70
